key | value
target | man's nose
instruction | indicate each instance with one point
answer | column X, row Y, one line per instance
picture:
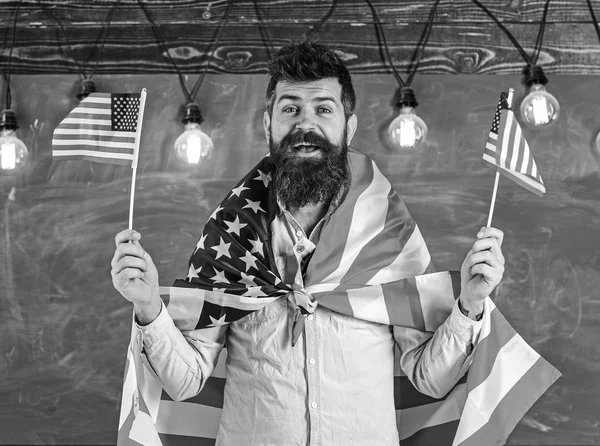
column 306, row 121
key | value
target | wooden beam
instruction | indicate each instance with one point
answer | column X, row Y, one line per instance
column 463, row 40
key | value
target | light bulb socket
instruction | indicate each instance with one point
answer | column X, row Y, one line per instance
column 87, row 86
column 406, row 98
column 8, row 120
column 535, row 75
column 192, row 114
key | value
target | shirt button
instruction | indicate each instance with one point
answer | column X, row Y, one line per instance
column 300, row 248
column 299, row 233
column 313, row 405
column 312, row 361
column 310, row 317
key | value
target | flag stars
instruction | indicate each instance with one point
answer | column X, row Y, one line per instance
column 247, row 280
column 219, row 277
column 235, row 226
column 254, row 292
column 219, row 290
column 193, row 272
column 200, row 244
column 264, row 177
column 238, row 190
column 214, row 214
column 249, row 260
column 257, row 246
column 222, row 249
column 254, row 205
column 217, row 322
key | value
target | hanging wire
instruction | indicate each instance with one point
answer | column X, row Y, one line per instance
column 423, row 43
column 263, row 32
column 596, row 27
column 316, row 29
column 165, row 51
column 12, row 45
column 382, row 42
column 540, row 36
column 213, row 50
column 104, row 30
column 514, row 41
column 64, row 31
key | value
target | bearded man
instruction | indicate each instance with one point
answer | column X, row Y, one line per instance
column 301, row 370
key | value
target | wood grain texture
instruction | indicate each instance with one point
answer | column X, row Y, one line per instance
column 464, row 39
column 64, row 330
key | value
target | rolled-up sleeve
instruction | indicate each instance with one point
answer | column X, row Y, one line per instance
column 181, row 360
column 434, row 362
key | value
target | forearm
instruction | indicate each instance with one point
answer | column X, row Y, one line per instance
column 183, row 361
column 435, row 362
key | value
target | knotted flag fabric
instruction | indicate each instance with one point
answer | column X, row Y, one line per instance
column 102, row 128
column 371, row 263
column 507, row 151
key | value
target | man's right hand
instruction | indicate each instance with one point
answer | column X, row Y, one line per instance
column 134, row 275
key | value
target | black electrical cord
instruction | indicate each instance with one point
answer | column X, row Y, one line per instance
column 64, row 31
column 507, row 32
column 263, row 32
column 165, row 51
column 596, row 27
column 540, row 36
column 422, row 43
column 216, row 39
column 316, row 29
column 105, row 30
column 382, row 42
column 12, row 45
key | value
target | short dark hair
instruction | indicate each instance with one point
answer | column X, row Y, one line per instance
column 305, row 61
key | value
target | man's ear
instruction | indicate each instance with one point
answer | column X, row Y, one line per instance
column 351, row 126
column 267, row 125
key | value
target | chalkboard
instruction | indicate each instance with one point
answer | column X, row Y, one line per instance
column 64, row 330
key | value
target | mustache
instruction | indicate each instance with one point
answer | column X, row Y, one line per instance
column 311, row 138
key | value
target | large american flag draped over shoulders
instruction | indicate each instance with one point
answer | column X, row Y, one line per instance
column 507, row 151
column 371, row 263
column 102, row 128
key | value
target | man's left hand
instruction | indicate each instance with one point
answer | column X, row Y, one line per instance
column 481, row 270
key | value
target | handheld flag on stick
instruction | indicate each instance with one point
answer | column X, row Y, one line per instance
column 105, row 128
column 507, row 152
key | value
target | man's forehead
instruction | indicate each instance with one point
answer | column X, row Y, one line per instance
column 328, row 87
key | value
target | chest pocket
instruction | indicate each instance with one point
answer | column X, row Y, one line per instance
column 259, row 342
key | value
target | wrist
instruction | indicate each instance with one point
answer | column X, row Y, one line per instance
column 146, row 314
column 472, row 310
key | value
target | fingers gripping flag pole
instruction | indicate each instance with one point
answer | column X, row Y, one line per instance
column 507, row 152
column 104, row 128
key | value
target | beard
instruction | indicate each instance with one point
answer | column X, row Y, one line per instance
column 298, row 180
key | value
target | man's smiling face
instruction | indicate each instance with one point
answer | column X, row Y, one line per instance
column 308, row 138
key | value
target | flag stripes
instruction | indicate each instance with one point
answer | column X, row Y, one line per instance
column 507, row 152
column 102, row 128
column 408, row 299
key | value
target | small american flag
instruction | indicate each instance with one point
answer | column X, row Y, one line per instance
column 371, row 263
column 102, row 128
column 507, row 151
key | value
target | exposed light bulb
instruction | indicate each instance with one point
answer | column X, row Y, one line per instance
column 539, row 108
column 13, row 152
column 407, row 131
column 193, row 146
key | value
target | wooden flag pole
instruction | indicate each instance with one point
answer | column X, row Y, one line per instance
column 136, row 154
column 489, row 222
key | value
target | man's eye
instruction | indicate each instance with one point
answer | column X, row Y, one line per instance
column 324, row 110
column 289, row 110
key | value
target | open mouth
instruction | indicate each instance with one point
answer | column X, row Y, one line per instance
column 306, row 147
